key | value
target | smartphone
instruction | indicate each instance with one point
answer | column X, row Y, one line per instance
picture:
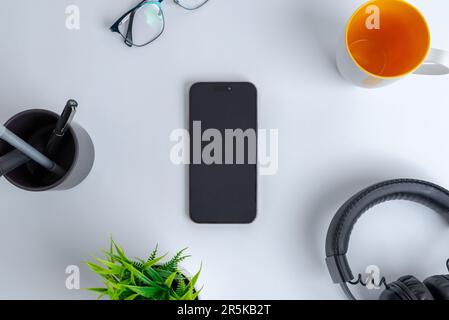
column 223, row 152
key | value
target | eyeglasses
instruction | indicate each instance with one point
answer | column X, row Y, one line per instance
column 145, row 22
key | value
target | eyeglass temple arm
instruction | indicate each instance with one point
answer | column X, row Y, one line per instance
column 114, row 27
column 129, row 32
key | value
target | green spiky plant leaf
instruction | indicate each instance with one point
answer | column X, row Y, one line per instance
column 151, row 279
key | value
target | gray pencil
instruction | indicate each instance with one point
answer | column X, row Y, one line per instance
column 29, row 151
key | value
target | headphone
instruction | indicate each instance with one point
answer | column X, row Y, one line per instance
column 337, row 241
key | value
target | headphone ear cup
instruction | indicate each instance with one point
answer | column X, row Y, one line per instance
column 438, row 286
column 406, row 288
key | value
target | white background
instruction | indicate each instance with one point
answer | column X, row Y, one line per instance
column 334, row 140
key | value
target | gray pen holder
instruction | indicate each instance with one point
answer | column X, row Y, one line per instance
column 76, row 153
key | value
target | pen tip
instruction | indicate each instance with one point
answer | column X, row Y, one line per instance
column 72, row 103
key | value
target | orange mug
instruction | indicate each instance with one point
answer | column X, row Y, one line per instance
column 386, row 40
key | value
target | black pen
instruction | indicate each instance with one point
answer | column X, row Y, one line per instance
column 61, row 128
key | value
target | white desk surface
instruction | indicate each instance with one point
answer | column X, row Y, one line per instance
column 334, row 139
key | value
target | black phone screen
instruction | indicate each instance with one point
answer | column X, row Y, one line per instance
column 223, row 152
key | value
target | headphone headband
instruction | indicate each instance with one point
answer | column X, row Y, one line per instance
column 338, row 235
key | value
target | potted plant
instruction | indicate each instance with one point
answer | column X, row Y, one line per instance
column 150, row 279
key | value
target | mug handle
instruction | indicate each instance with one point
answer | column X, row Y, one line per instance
column 436, row 63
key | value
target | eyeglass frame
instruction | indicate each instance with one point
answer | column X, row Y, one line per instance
column 115, row 27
